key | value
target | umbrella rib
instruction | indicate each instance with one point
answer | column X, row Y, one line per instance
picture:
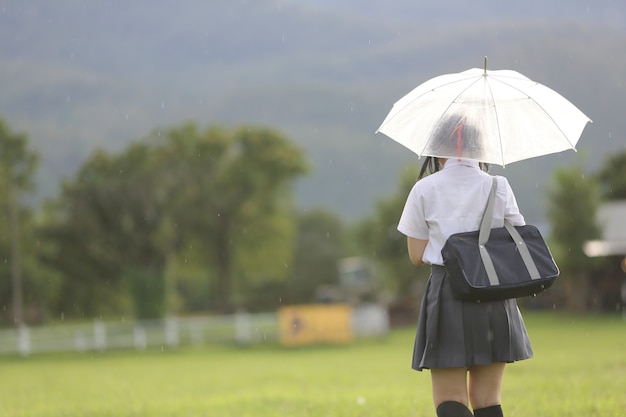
column 424, row 93
column 540, row 106
column 495, row 109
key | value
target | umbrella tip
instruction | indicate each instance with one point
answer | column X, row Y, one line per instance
column 485, row 65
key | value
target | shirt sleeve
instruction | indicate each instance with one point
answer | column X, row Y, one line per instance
column 511, row 210
column 412, row 221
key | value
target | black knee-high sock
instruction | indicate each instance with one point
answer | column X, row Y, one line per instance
column 493, row 411
column 453, row 409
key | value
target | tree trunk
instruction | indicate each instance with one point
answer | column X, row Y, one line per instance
column 577, row 291
column 223, row 258
column 16, row 267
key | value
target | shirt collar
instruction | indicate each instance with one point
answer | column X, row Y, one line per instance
column 451, row 162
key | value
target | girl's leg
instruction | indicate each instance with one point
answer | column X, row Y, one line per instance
column 450, row 392
column 485, row 384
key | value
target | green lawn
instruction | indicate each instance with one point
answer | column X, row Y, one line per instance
column 579, row 370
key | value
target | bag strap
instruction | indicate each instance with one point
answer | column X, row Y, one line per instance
column 523, row 250
column 484, row 232
column 485, row 222
column 483, row 237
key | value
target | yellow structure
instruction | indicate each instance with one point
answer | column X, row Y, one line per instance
column 315, row 324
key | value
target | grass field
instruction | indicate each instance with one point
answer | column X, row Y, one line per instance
column 579, row 370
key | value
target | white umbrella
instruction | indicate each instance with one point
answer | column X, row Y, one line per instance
column 497, row 117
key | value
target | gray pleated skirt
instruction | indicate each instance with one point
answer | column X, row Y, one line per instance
column 458, row 334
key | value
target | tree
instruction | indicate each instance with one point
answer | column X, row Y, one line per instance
column 17, row 167
column 612, row 182
column 319, row 247
column 129, row 220
column 244, row 182
column 381, row 240
column 106, row 234
column 612, row 177
column 572, row 204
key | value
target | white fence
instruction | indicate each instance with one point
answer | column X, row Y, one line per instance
column 171, row 332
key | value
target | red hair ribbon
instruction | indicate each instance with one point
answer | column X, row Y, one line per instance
column 459, row 135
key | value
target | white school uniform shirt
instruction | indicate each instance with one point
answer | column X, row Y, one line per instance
column 453, row 200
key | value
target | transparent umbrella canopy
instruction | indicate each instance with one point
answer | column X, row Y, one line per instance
column 497, row 117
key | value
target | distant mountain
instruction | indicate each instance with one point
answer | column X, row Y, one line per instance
column 79, row 75
column 442, row 12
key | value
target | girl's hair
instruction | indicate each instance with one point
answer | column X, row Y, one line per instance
column 453, row 137
column 432, row 164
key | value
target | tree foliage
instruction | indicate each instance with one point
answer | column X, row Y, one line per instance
column 108, row 218
column 572, row 205
column 132, row 219
column 237, row 183
column 612, row 177
column 25, row 287
column 380, row 239
column 318, row 249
